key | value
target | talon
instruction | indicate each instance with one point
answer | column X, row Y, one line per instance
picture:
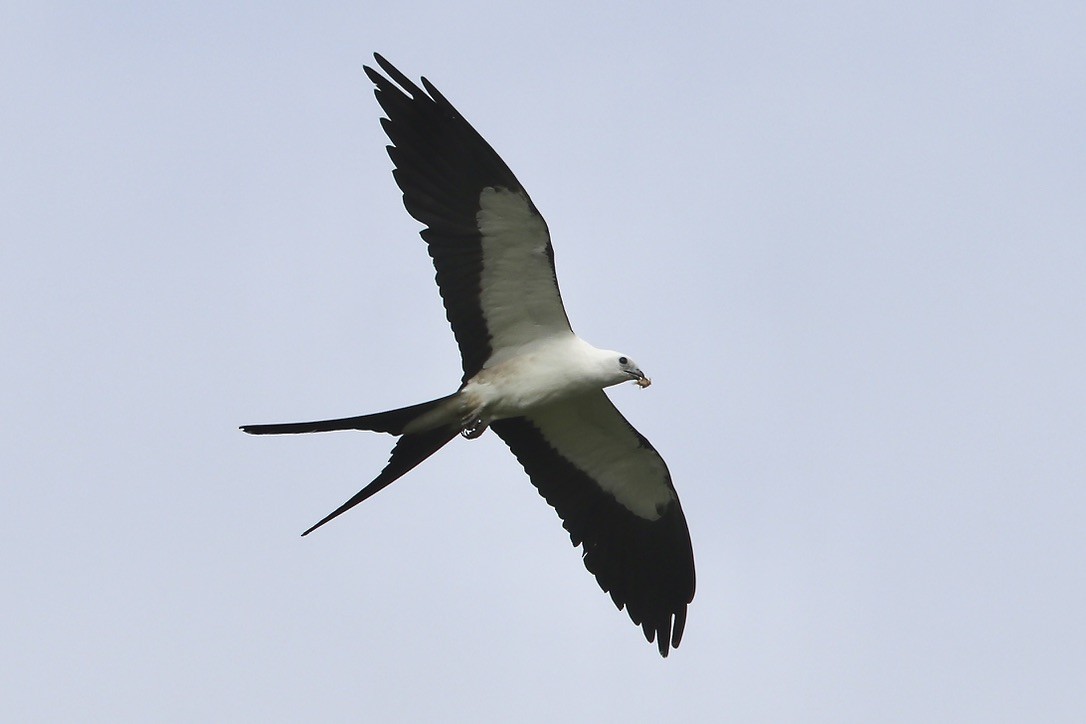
column 473, row 428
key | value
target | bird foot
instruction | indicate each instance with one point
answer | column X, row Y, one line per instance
column 473, row 428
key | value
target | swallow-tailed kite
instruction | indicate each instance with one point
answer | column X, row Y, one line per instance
column 526, row 374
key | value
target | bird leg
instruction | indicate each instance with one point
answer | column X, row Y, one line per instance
column 472, row 426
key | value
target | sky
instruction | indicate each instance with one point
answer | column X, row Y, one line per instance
column 846, row 240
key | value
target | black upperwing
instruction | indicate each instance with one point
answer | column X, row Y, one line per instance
column 495, row 266
column 615, row 497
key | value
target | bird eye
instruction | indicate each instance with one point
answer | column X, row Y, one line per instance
column 622, row 360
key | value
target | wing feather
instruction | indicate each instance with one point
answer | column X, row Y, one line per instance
column 446, row 171
column 626, row 518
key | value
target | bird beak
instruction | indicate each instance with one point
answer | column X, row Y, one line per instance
column 640, row 378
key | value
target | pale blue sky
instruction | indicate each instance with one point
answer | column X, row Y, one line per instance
column 846, row 242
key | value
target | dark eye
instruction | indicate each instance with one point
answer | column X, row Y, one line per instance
column 622, row 360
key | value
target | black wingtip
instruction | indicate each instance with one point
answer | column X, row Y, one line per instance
column 669, row 634
column 394, row 73
column 678, row 628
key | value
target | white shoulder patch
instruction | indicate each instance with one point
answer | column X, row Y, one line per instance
column 590, row 433
column 519, row 294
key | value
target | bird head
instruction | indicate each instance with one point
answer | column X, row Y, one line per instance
column 627, row 369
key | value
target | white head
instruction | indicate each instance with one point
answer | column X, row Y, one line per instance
column 616, row 367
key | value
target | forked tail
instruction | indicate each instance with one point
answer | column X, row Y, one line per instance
column 411, row 449
column 392, row 421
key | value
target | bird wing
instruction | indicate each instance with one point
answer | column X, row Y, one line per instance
column 490, row 246
column 615, row 497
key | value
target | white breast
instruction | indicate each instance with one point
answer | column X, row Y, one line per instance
column 537, row 374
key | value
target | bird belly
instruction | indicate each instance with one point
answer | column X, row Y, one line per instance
column 518, row 386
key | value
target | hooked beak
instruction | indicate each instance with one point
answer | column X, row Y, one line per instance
column 640, row 378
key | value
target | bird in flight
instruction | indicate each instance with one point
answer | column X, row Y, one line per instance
column 527, row 376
